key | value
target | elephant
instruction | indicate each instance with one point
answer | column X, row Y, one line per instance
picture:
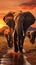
column 9, row 20
column 24, row 21
column 33, row 36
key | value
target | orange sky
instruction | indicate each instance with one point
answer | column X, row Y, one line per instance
column 14, row 5
column 7, row 5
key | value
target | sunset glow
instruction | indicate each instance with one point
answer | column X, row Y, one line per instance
column 16, row 6
column 2, row 23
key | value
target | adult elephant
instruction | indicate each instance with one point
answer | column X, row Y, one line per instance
column 33, row 36
column 24, row 20
column 9, row 20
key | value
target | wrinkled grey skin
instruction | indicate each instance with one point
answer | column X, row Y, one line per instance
column 9, row 20
column 24, row 21
column 33, row 35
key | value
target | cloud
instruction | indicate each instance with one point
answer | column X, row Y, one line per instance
column 29, row 2
column 8, row 5
column 11, row 4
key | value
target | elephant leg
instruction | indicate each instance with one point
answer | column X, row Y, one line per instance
column 15, row 42
column 32, row 39
column 9, row 40
column 20, row 42
column 10, row 43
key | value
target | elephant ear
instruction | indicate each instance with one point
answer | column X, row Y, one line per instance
column 4, row 18
column 7, row 16
column 9, row 20
column 29, row 18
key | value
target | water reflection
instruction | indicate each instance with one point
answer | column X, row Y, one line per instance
column 13, row 59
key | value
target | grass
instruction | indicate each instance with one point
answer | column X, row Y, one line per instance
column 27, row 45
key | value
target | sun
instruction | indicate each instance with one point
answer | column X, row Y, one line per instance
column 2, row 23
